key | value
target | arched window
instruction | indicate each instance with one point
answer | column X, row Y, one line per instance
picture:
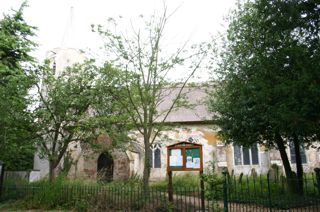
column 155, row 161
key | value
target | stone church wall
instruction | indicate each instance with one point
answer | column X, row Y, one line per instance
column 130, row 162
column 214, row 150
column 201, row 134
column 84, row 160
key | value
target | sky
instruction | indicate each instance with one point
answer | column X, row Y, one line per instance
column 194, row 20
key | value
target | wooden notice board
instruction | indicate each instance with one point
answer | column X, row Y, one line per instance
column 184, row 156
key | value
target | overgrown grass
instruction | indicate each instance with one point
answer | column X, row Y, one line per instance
column 246, row 189
column 11, row 205
column 90, row 195
column 74, row 194
column 273, row 192
column 179, row 182
column 259, row 186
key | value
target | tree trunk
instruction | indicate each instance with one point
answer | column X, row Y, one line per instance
column 51, row 171
column 146, row 170
column 286, row 164
column 296, row 144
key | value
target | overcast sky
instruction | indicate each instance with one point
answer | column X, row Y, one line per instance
column 196, row 20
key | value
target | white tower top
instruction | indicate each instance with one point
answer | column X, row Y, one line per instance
column 69, row 35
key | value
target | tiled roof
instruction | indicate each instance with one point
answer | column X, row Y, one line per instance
column 195, row 96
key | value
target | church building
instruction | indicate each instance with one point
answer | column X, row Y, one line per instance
column 186, row 124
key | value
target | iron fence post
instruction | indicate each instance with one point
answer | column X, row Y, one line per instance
column 2, row 165
column 269, row 192
column 203, row 208
column 225, row 193
column 317, row 171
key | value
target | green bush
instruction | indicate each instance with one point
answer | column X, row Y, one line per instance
column 45, row 195
column 213, row 186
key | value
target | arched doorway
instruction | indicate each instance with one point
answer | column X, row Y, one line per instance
column 105, row 167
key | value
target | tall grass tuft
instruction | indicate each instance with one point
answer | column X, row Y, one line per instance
column 46, row 195
column 179, row 182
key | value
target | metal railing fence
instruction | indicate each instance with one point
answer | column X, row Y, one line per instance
column 230, row 193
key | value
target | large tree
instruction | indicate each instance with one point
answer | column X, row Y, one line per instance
column 269, row 77
column 71, row 109
column 66, row 111
column 141, row 76
column 16, row 132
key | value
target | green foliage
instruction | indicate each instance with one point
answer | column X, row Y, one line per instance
column 62, row 112
column 269, row 77
column 142, row 84
column 256, row 190
column 132, row 182
column 269, row 73
column 77, row 194
column 213, row 182
column 68, row 111
column 179, row 181
column 89, row 196
column 16, row 131
column 47, row 195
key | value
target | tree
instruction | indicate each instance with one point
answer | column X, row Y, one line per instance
column 141, row 78
column 269, row 78
column 70, row 110
column 16, row 131
column 63, row 113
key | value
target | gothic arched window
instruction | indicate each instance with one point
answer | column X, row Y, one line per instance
column 155, row 161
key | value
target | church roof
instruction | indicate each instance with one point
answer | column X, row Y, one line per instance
column 196, row 112
column 195, row 96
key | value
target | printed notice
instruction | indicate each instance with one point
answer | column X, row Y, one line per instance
column 190, row 163
column 175, row 152
column 176, row 160
column 196, row 162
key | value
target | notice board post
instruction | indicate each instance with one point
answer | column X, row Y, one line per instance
column 185, row 156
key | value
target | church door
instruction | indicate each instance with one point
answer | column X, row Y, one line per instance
column 105, row 167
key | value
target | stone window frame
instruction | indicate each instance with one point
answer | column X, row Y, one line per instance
column 154, row 148
column 242, row 158
column 291, row 149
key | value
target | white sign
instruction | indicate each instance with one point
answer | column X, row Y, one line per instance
column 190, row 163
column 176, row 160
column 196, row 162
column 175, row 152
